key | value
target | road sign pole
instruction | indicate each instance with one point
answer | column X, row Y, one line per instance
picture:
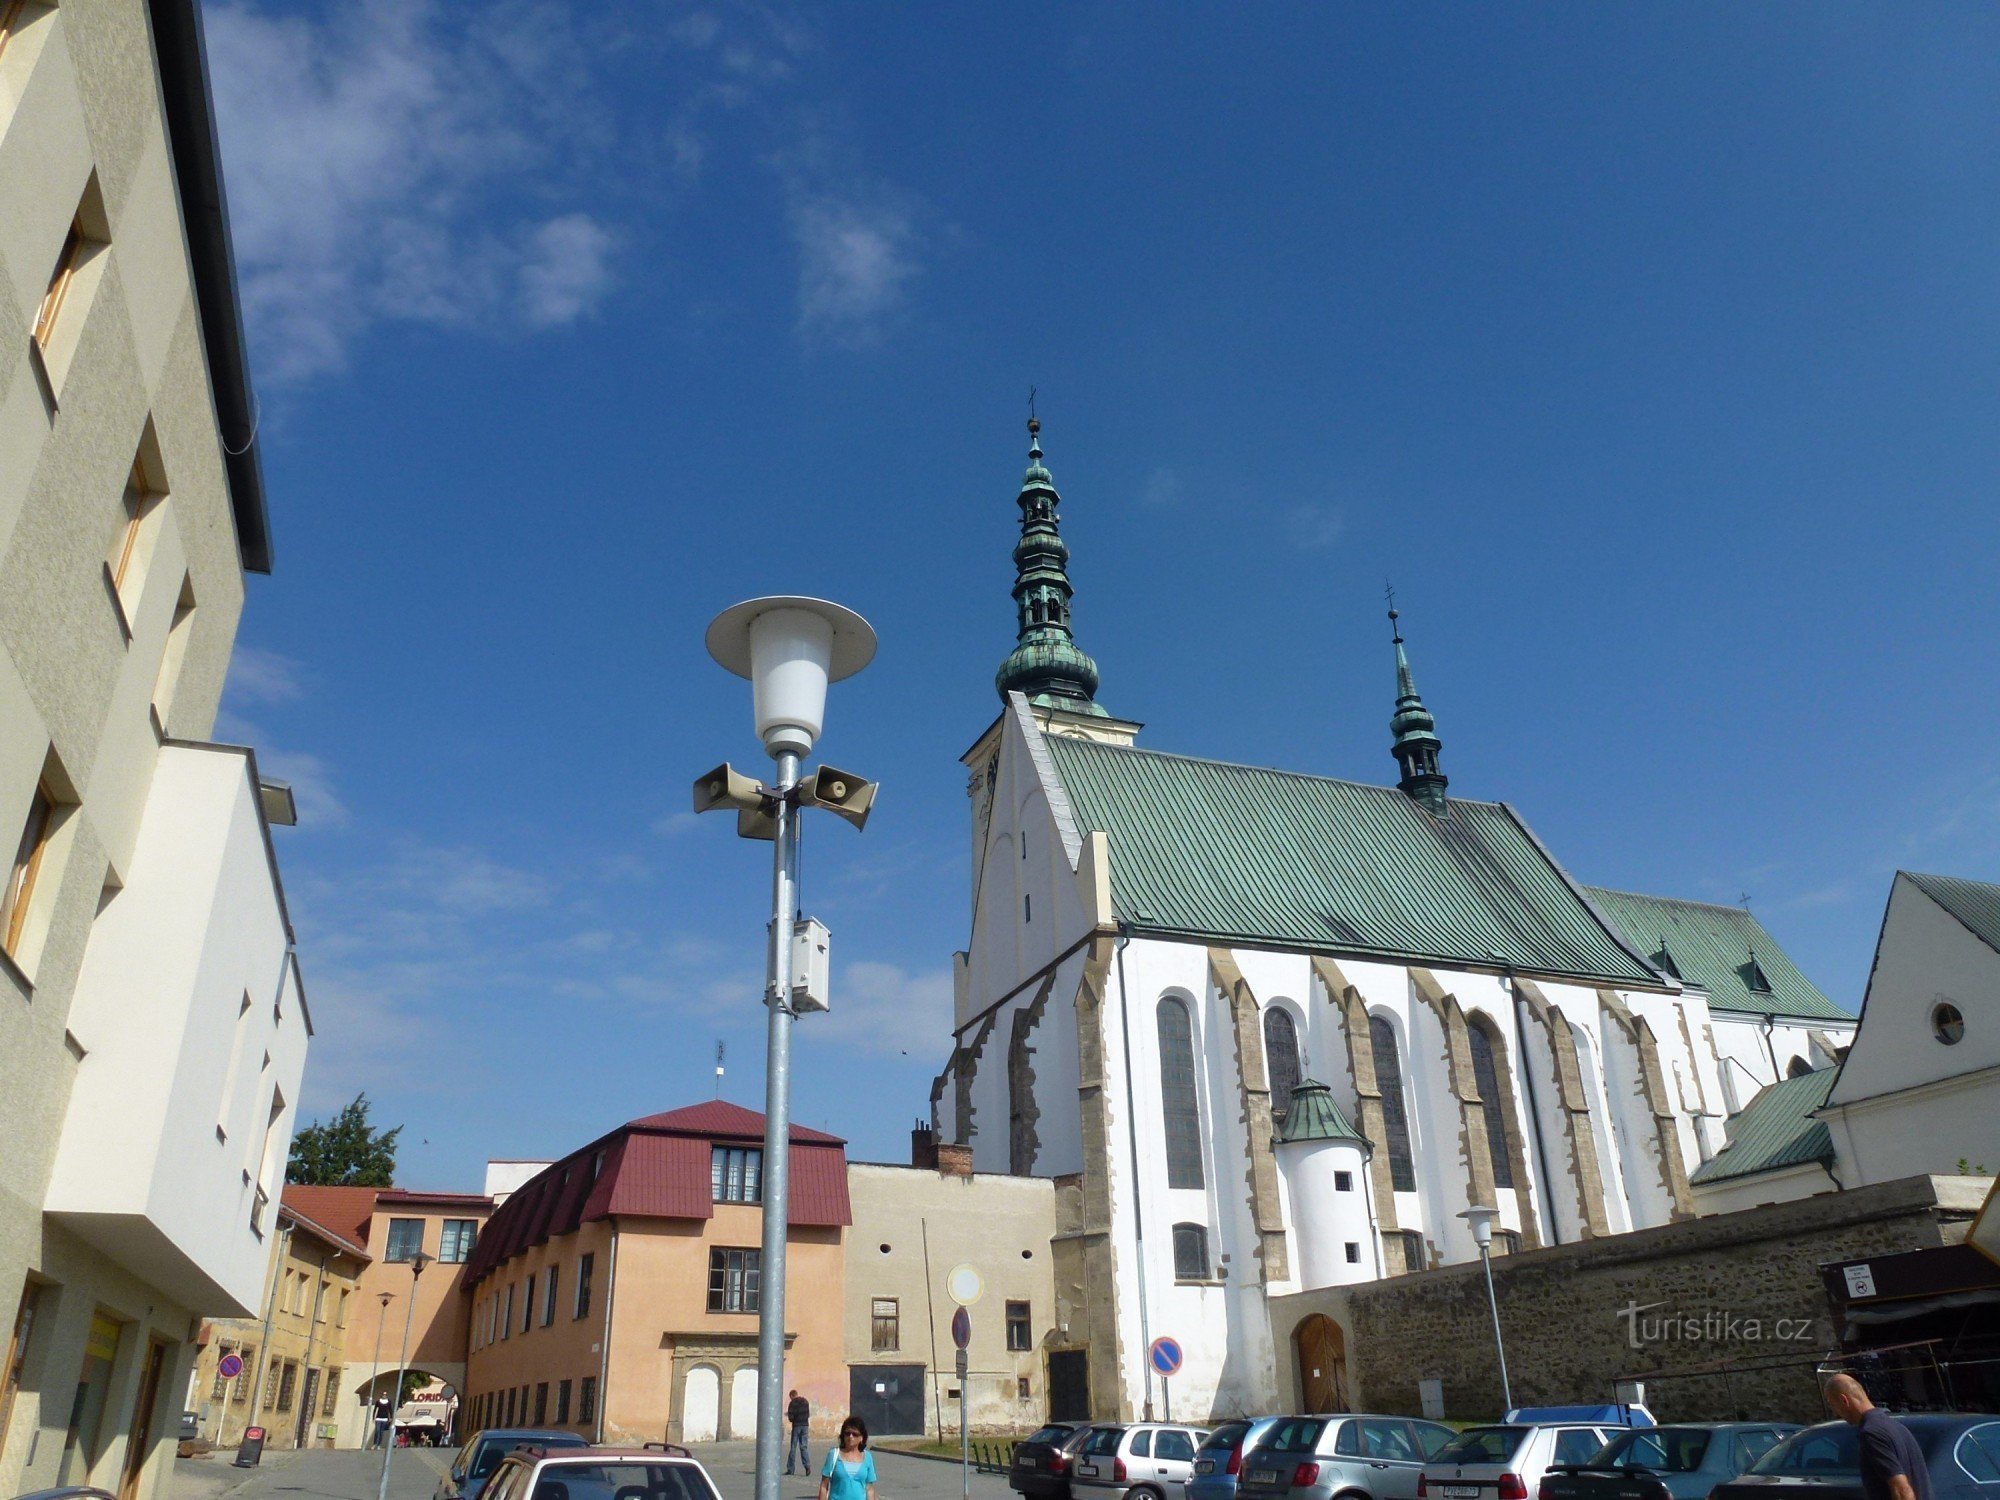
column 964, row 1430
column 1167, row 1398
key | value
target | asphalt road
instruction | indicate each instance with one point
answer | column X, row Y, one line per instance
column 318, row 1474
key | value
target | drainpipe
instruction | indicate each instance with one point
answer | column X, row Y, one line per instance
column 1771, row 1049
column 1132, row 1135
column 1545, row 1198
column 312, row 1327
column 604, row 1354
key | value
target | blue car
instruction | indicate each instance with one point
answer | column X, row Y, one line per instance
column 482, row 1453
column 1218, row 1463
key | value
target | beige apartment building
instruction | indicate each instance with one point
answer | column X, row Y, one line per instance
column 915, row 1226
column 152, row 1026
column 292, row 1355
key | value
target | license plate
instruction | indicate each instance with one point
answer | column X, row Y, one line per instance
column 1205, row 1466
column 1088, row 1471
column 1265, row 1476
column 1459, row 1491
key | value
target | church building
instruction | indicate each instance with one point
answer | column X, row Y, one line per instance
column 1275, row 1031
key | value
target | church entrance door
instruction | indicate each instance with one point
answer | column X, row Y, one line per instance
column 1322, row 1351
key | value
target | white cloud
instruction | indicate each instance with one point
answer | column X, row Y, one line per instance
column 260, row 676
column 311, row 783
column 856, row 260
column 566, row 271
column 883, row 1007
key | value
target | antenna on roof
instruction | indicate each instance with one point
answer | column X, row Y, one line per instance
column 720, row 1048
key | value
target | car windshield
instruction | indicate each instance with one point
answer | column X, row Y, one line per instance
column 1670, row 1450
column 1102, row 1440
column 621, row 1481
column 1052, row 1434
column 1292, row 1435
column 1482, row 1445
column 1228, row 1435
column 1829, row 1450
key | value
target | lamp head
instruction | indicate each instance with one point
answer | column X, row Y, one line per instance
column 790, row 647
column 1480, row 1220
column 418, row 1262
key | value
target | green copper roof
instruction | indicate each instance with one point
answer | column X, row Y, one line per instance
column 1313, row 1116
column 1973, row 902
column 1046, row 665
column 1208, row 849
column 1416, row 743
column 1712, row 947
column 1777, row 1130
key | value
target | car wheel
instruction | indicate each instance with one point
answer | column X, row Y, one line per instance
column 1144, row 1492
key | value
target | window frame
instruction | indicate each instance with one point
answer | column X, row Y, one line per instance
column 580, row 1300
column 736, row 1174
column 458, row 1235
column 390, row 1255
column 37, row 833
column 1188, row 1233
column 1020, row 1327
column 735, row 1279
column 1389, row 1088
column 68, row 262
column 885, row 1329
column 1180, row 1094
column 1284, row 1067
column 1483, row 1041
column 586, row 1399
column 549, row 1293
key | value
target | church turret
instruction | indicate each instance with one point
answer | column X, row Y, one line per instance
column 1045, row 664
column 1416, row 745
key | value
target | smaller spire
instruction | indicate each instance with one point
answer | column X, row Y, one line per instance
column 1416, row 742
column 1045, row 664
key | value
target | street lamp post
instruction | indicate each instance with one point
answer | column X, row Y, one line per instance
column 417, row 1264
column 381, row 1318
column 1481, row 1220
column 790, row 648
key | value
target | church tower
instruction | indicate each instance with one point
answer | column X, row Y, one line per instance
column 1416, row 744
column 1045, row 664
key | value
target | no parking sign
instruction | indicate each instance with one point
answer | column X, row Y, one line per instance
column 1166, row 1355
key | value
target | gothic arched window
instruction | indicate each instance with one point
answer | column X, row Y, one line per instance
column 1281, row 1059
column 1179, row 1108
column 1486, row 1074
column 1190, row 1252
column 1395, row 1120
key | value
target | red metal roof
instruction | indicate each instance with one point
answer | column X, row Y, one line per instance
column 345, row 1210
column 657, row 1167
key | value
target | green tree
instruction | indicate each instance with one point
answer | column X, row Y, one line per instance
column 345, row 1151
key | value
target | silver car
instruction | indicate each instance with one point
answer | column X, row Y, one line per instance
column 1507, row 1460
column 1142, row 1459
column 1316, row 1458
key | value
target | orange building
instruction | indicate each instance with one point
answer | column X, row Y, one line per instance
column 616, row 1292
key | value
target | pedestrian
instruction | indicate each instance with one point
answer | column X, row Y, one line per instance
column 849, row 1471
column 1892, row 1465
column 798, row 1412
column 381, row 1423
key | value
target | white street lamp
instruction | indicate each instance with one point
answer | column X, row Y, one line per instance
column 417, row 1264
column 1480, row 1219
column 790, row 648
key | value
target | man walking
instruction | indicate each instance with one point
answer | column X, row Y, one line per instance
column 1892, row 1465
column 798, row 1411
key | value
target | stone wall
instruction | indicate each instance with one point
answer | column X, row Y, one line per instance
column 1719, row 1316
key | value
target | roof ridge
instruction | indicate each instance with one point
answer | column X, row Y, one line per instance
column 1244, row 765
column 1730, row 906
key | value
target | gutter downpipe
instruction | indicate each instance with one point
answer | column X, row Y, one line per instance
column 1771, row 1048
column 1132, row 1136
column 604, row 1354
column 1545, row 1198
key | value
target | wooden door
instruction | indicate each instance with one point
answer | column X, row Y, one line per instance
column 140, row 1444
column 1322, row 1351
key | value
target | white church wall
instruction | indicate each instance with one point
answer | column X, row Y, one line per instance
column 1753, row 1051
column 1688, row 1067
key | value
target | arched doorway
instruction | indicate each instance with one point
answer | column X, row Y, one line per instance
column 743, row 1403
column 701, row 1404
column 1322, row 1351
column 424, row 1403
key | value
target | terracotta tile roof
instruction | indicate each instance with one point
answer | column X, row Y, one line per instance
column 332, row 1237
column 344, row 1210
column 657, row 1167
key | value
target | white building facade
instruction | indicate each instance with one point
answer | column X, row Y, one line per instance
column 152, row 1026
column 1164, row 950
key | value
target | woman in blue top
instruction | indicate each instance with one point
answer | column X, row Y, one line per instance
column 849, row 1471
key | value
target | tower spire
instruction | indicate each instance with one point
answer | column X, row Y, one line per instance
column 1045, row 663
column 1416, row 742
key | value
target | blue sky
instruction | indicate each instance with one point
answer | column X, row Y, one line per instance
column 1651, row 351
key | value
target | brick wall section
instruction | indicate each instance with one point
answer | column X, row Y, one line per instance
column 1559, row 1310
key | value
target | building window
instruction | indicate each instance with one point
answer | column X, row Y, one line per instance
column 1019, row 1335
column 732, row 1280
column 586, row 1399
column 1506, row 1242
column 562, row 1403
column 1416, row 1255
column 736, row 1174
column 1178, row 1107
column 67, row 264
column 288, row 1383
column 1022, row 1389
column 1485, row 1046
column 1798, row 1067
column 584, row 1266
column 129, row 554
column 885, row 1330
column 507, row 1318
column 549, row 1296
column 1947, row 1023
column 1395, row 1122
column 406, row 1238
column 1343, row 1182
column 510, row 1406
column 242, row 1383
column 1353, row 1253
column 455, row 1244
column 340, row 1310
column 167, row 683
column 1027, row 908
column 1190, row 1253
column 332, row 1392
column 29, row 855
column 528, row 1305
column 541, row 1402
column 1281, row 1059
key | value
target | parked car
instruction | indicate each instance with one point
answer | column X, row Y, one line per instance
column 1613, row 1414
column 1218, row 1462
column 1040, row 1465
column 1316, row 1458
column 481, row 1455
column 1682, row 1462
column 1141, row 1459
column 1962, row 1454
column 1506, row 1461
column 658, row 1471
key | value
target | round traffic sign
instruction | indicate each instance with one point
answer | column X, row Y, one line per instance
column 1165, row 1355
column 965, row 1285
column 230, row 1367
column 961, row 1328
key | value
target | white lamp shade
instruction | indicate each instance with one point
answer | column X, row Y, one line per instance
column 790, row 648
